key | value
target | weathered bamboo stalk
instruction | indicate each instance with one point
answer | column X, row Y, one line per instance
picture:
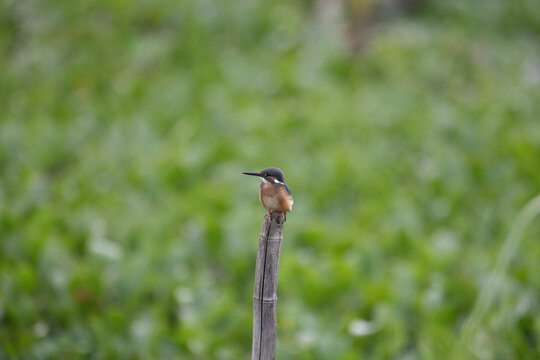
column 264, row 294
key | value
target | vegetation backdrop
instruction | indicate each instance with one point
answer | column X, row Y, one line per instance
column 410, row 139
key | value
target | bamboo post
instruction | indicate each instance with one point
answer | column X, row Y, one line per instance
column 264, row 293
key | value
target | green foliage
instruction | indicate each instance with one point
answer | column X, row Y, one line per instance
column 128, row 232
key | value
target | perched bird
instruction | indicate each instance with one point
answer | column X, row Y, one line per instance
column 275, row 195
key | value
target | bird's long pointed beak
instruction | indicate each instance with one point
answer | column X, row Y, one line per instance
column 252, row 174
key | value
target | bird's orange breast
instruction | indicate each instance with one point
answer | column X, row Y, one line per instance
column 274, row 198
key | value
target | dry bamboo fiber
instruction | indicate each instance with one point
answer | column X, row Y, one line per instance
column 264, row 294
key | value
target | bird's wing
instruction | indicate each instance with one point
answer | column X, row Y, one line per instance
column 287, row 189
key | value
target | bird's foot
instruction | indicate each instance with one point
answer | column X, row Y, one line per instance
column 280, row 218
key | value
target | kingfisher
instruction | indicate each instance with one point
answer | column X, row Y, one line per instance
column 274, row 194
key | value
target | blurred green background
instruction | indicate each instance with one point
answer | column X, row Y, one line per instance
column 409, row 133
